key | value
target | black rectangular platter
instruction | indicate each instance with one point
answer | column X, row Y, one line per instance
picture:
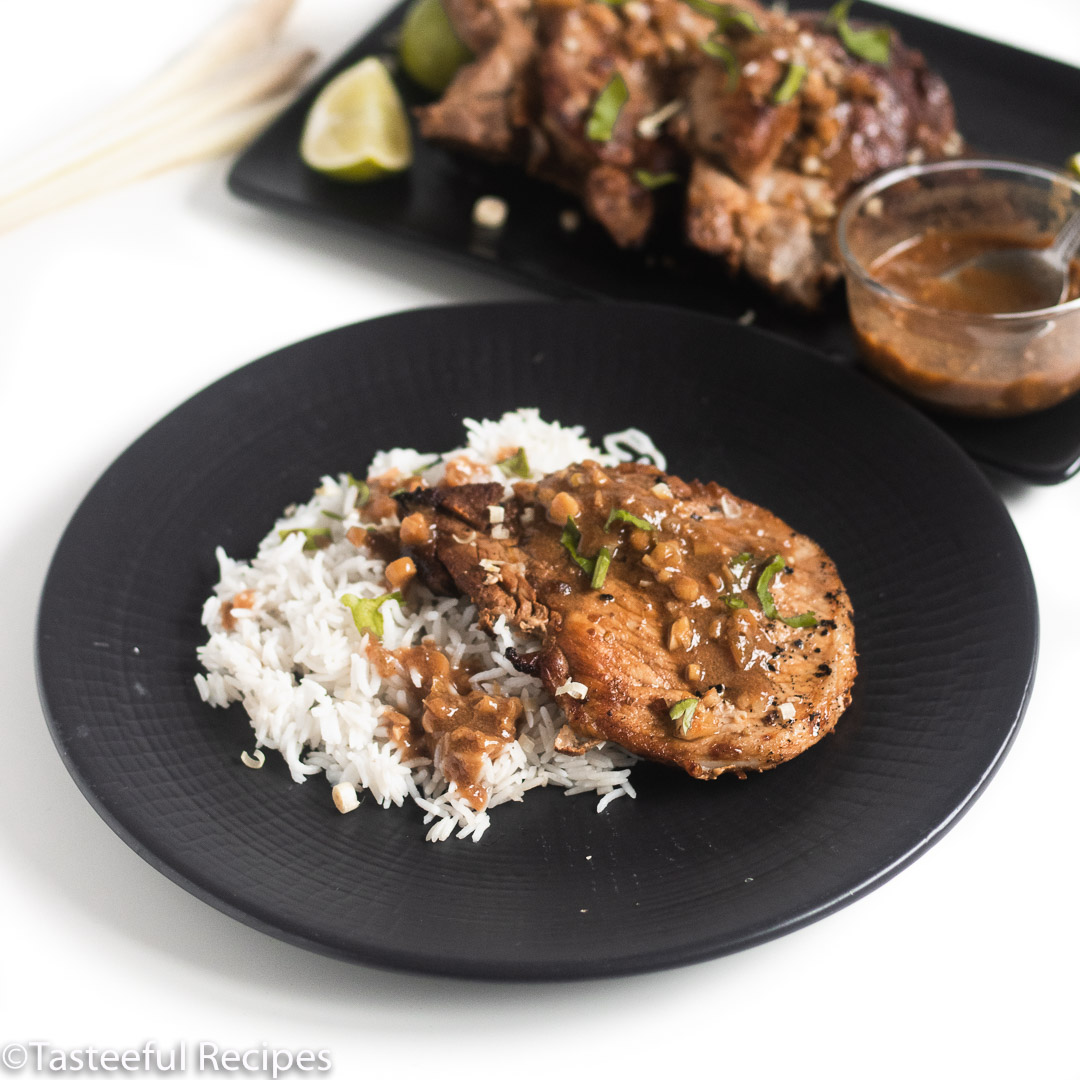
column 1009, row 103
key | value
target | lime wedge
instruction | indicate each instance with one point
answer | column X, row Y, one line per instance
column 429, row 50
column 357, row 128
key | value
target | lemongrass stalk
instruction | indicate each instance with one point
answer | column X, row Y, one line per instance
column 132, row 162
column 254, row 78
column 246, row 29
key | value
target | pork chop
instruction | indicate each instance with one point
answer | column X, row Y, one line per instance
column 688, row 625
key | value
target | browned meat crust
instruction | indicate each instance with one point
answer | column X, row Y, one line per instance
column 764, row 172
column 678, row 617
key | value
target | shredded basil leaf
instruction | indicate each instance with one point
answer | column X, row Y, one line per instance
column 768, row 604
column 571, row 537
column 603, row 561
column 365, row 612
column 316, row 538
column 517, row 464
column 719, row 51
column 872, row 44
column 682, row 712
column 606, row 109
column 625, row 515
column 728, row 17
column 652, row 180
column 769, row 571
column 734, row 601
column 790, row 84
column 363, row 492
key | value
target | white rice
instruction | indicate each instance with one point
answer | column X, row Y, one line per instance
column 297, row 664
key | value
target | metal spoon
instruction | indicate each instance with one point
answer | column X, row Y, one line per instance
column 1045, row 271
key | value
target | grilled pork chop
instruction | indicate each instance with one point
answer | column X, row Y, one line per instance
column 765, row 120
column 688, row 625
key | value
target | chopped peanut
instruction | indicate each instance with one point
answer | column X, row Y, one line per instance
column 563, row 507
column 415, row 530
column 681, row 635
column 400, row 572
column 685, row 588
column 345, row 797
column 640, row 540
column 357, row 536
column 694, row 673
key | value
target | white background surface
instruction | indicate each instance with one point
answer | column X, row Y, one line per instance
column 115, row 311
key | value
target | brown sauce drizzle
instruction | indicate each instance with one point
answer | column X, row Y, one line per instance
column 679, row 572
column 455, row 725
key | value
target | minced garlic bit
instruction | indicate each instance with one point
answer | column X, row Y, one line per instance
column 576, row 690
column 253, row 761
column 490, row 212
column 662, row 491
column 345, row 797
column 787, row 711
column 496, row 515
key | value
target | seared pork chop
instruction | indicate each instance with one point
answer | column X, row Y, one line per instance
column 686, row 624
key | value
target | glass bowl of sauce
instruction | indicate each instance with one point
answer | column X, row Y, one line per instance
column 963, row 334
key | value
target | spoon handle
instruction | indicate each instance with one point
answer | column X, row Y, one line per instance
column 1067, row 242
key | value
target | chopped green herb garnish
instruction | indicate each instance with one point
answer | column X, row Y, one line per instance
column 728, row 17
column 603, row 561
column 332, row 515
column 316, row 538
column 571, row 537
column 427, row 465
column 363, row 492
column 365, row 611
column 652, row 180
column 790, row 84
column 517, row 465
column 768, row 604
column 872, row 44
column 769, row 571
column 741, row 568
column 719, row 51
column 807, row 618
column 734, row 601
column 606, row 109
column 625, row 515
column 682, row 712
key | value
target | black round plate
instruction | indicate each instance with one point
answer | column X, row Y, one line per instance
column 945, row 616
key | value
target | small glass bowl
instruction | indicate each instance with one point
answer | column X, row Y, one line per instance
column 1000, row 364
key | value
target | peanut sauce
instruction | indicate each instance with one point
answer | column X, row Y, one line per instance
column 987, row 370
column 455, row 725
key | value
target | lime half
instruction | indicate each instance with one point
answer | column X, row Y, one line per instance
column 357, row 128
column 430, row 51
